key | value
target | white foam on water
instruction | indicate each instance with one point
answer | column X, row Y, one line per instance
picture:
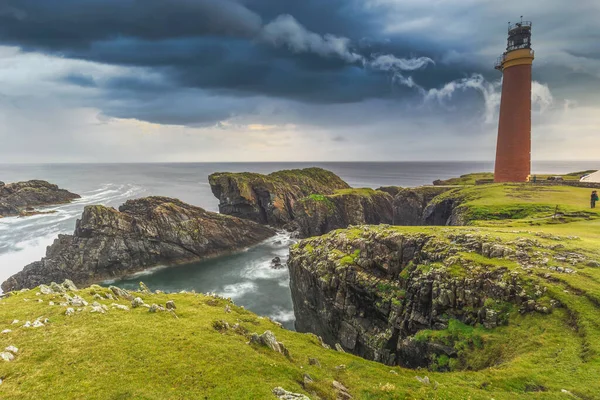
column 282, row 315
column 262, row 269
column 146, row 272
column 284, row 283
column 24, row 253
column 237, row 290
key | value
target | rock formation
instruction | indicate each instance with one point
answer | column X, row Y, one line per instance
column 415, row 206
column 145, row 232
column 373, row 289
column 269, row 199
column 20, row 197
column 319, row 214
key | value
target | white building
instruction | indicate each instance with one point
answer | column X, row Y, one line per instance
column 593, row 177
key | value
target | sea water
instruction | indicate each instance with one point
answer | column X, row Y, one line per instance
column 245, row 276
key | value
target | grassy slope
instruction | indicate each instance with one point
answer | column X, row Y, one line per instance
column 470, row 179
column 142, row 355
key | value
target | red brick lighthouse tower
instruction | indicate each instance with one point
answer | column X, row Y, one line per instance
column 513, row 151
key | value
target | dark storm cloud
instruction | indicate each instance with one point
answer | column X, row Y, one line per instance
column 231, row 52
column 210, row 44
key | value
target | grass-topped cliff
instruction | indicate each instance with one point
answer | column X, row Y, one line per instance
column 269, row 199
column 506, row 306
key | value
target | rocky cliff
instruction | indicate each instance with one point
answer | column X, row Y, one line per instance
column 145, row 232
column 416, row 206
column 374, row 290
column 319, row 214
column 269, row 199
column 16, row 198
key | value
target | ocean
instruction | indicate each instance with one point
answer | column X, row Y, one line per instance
column 245, row 276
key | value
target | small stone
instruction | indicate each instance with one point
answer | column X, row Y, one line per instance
column 342, row 391
column 69, row 285
column 121, row 292
column 393, row 372
column 12, row 349
column 97, row 309
column 155, row 308
column 77, row 301
column 227, row 308
column 27, row 324
column 137, row 302
column 283, row 394
column 144, row 288
column 37, row 324
column 57, row 288
column 314, row 361
column 424, row 380
column 120, row 307
column 97, row 297
column 339, row 348
column 171, row 305
column 307, row 379
column 15, row 321
column 50, row 303
column 44, row 289
column 70, row 311
column 340, row 367
column 7, row 331
column 7, row 356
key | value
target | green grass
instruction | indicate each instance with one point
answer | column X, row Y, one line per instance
column 140, row 355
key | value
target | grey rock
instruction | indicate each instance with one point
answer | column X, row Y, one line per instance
column 144, row 232
column 137, row 302
column 7, row 356
column 283, row 394
column 121, row 292
column 170, row 305
column 19, row 198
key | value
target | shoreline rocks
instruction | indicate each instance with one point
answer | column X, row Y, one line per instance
column 143, row 233
column 20, row 198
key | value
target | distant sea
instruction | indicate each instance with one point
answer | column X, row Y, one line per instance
column 246, row 276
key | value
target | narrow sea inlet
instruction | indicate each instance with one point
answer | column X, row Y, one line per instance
column 247, row 277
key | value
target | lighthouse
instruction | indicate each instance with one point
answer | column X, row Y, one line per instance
column 513, row 150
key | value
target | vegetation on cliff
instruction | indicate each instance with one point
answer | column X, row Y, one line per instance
column 270, row 199
column 530, row 262
column 318, row 214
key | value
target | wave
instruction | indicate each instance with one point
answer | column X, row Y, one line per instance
column 237, row 290
column 282, row 315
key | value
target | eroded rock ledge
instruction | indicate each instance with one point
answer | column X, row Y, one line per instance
column 373, row 289
column 16, row 198
column 144, row 232
column 269, row 199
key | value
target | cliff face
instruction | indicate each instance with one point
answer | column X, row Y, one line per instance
column 318, row 214
column 16, row 197
column 373, row 289
column 269, row 199
column 414, row 207
column 144, row 232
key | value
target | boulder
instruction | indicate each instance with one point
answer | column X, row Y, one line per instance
column 23, row 196
column 145, row 232
column 269, row 199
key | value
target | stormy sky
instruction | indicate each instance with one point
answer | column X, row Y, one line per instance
column 287, row 80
